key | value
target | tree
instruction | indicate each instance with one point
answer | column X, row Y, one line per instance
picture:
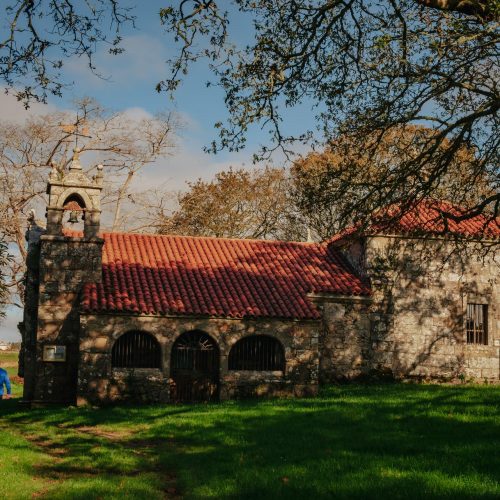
column 281, row 204
column 373, row 71
column 5, row 260
column 330, row 188
column 238, row 204
column 124, row 146
column 41, row 33
column 369, row 68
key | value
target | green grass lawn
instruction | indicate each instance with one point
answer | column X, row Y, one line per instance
column 353, row 441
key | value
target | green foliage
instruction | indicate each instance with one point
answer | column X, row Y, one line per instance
column 355, row 441
column 372, row 72
column 38, row 36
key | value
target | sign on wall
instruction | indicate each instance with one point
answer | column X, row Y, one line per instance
column 54, row 353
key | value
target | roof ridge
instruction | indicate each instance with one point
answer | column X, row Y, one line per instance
column 223, row 277
column 251, row 240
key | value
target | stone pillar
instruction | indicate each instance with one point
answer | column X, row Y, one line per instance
column 92, row 223
column 54, row 220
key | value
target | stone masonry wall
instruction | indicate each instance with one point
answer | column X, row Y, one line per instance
column 420, row 294
column 98, row 382
column 345, row 338
column 28, row 327
column 65, row 264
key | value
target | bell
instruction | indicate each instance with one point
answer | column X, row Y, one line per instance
column 73, row 217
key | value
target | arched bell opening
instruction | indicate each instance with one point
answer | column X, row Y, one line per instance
column 194, row 368
column 74, row 213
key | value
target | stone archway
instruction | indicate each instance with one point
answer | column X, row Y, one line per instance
column 194, row 368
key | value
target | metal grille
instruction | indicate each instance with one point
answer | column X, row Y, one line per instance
column 258, row 352
column 136, row 350
column 195, row 368
column 476, row 324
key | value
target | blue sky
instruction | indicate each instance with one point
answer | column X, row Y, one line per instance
column 129, row 84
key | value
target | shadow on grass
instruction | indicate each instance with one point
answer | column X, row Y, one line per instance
column 82, row 464
column 395, row 441
column 369, row 442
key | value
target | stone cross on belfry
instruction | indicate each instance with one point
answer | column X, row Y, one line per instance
column 77, row 129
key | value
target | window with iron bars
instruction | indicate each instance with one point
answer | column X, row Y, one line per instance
column 136, row 349
column 257, row 352
column 476, row 324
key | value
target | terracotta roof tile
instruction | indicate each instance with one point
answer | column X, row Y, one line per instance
column 427, row 217
column 153, row 274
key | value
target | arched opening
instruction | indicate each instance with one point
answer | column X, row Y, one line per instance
column 136, row 349
column 257, row 352
column 74, row 212
column 195, row 368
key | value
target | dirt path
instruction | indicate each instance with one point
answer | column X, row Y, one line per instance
column 65, row 448
column 9, row 364
column 139, row 447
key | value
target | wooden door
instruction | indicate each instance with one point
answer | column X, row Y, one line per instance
column 194, row 368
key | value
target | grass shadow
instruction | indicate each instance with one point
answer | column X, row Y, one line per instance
column 353, row 441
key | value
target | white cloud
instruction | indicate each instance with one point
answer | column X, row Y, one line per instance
column 187, row 164
column 137, row 114
column 14, row 111
column 143, row 59
column 187, row 161
column 187, row 121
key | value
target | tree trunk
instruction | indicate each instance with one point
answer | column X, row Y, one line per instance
column 121, row 194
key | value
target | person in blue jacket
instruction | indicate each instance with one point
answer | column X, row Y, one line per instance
column 4, row 380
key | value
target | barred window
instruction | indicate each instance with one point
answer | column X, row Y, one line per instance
column 477, row 324
column 136, row 350
column 257, row 352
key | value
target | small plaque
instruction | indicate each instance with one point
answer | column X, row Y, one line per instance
column 54, row 353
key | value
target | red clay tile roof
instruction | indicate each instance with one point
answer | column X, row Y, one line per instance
column 428, row 217
column 154, row 274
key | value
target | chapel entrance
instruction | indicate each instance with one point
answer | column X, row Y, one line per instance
column 194, row 368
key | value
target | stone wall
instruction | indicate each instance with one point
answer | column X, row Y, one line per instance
column 65, row 264
column 345, row 337
column 28, row 327
column 99, row 382
column 420, row 294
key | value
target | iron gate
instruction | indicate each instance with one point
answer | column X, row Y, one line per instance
column 194, row 368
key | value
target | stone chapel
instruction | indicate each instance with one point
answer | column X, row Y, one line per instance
column 112, row 317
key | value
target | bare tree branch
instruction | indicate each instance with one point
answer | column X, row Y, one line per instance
column 370, row 71
column 40, row 30
column 124, row 145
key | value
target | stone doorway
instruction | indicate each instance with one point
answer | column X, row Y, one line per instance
column 194, row 368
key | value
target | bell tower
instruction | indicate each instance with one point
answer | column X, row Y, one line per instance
column 74, row 192
column 67, row 260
